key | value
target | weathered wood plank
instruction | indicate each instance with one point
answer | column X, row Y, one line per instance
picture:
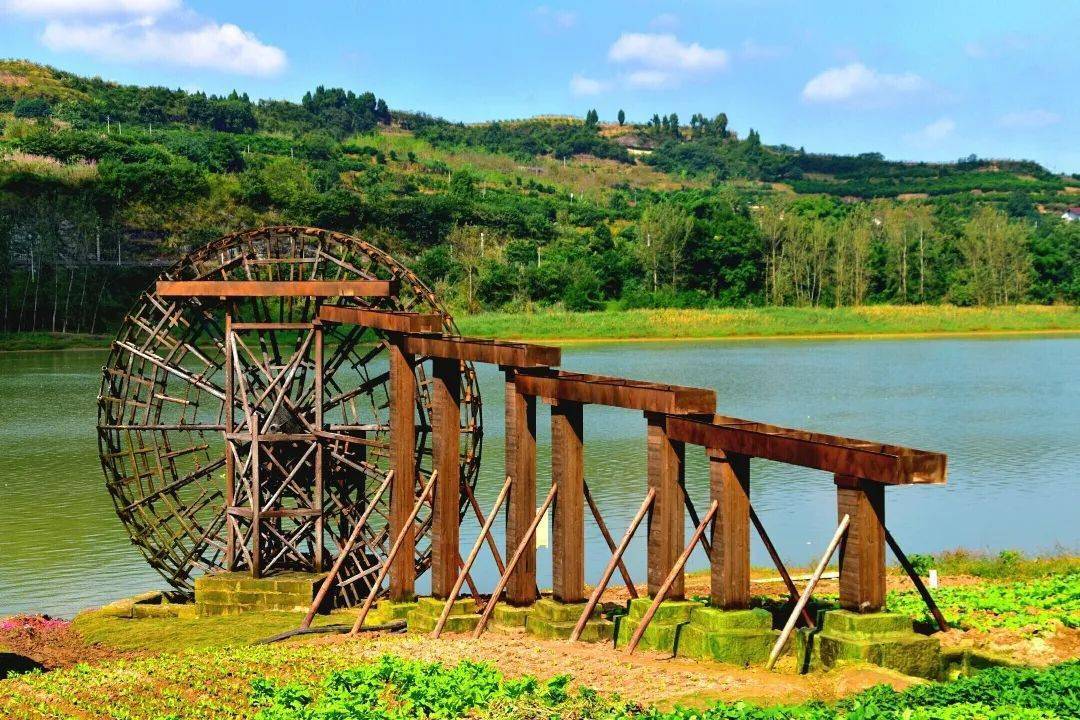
column 862, row 552
column 665, row 523
column 277, row 288
column 387, row 320
column 521, row 505
column 568, row 527
column 889, row 464
column 617, row 392
column 403, row 462
column 495, row 352
column 446, row 447
column 729, row 479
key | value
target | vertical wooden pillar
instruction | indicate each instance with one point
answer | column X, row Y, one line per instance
column 862, row 552
column 665, row 525
column 446, row 433
column 403, row 463
column 568, row 532
column 521, row 503
column 230, row 467
column 317, row 499
column 729, row 480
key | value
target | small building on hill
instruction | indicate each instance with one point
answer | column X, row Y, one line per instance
column 1071, row 214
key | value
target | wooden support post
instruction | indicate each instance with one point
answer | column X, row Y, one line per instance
column 403, row 462
column 230, row 466
column 862, row 552
column 729, row 480
column 446, row 433
column 665, row 526
column 568, row 531
column 319, row 491
column 521, row 505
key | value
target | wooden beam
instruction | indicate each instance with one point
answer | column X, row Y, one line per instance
column 729, row 480
column 388, row 320
column 862, row 552
column 617, row 392
column 277, row 288
column 521, row 505
column 568, row 527
column 446, row 448
column 495, row 352
column 403, row 463
column 665, row 526
column 889, row 464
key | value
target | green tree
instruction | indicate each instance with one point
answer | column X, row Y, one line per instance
column 622, row 117
column 591, row 118
column 663, row 232
column 995, row 254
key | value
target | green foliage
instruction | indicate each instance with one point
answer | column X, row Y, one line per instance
column 31, row 108
column 922, row 564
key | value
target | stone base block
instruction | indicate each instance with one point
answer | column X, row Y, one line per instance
column 885, row 639
column 152, row 604
column 463, row 617
column 231, row 593
column 740, row 637
column 662, row 632
column 509, row 617
column 551, row 620
column 387, row 611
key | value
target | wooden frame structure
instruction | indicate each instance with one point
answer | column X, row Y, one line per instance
column 279, row 444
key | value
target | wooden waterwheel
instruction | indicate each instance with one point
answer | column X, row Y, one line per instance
column 192, row 380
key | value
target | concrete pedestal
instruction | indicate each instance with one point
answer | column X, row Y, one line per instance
column 231, row 593
column 739, row 637
column 387, row 611
column 662, row 633
column 885, row 639
column 555, row 620
column 510, row 617
column 463, row 617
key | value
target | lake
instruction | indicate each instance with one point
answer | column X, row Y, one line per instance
column 1005, row 409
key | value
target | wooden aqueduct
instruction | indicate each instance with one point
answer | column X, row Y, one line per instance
column 293, row 400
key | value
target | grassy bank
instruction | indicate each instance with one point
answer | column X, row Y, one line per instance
column 771, row 322
column 672, row 324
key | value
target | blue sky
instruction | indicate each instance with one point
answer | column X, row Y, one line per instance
column 912, row 79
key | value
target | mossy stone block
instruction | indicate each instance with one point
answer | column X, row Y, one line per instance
column 510, row 616
column 739, row 637
column 154, row 611
column 388, row 611
column 885, row 639
column 662, row 632
column 462, row 618
column 553, row 620
column 240, row 592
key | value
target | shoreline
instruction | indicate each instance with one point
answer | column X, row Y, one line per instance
column 872, row 335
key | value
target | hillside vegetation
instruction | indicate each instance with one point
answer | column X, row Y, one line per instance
column 102, row 184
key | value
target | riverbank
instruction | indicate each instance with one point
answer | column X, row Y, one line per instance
column 876, row 321
column 1007, row 609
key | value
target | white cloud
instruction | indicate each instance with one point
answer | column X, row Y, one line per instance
column 751, row 50
column 855, row 83
column 1036, row 118
column 650, row 79
column 85, row 8
column 207, row 45
column 581, row 85
column 555, row 19
column 666, row 51
column 932, row 133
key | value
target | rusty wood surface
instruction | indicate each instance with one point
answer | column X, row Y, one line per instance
column 521, row 468
column 890, row 464
column 862, row 552
column 396, row 321
column 729, row 480
column 530, row 534
column 617, row 392
column 616, row 559
column 568, row 517
column 446, row 447
column 276, row 288
column 495, row 352
column 402, row 392
column 674, row 576
column 485, row 531
column 665, row 525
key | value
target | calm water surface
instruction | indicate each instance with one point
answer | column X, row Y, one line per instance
column 1007, row 412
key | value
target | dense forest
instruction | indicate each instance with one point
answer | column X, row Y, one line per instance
column 103, row 184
